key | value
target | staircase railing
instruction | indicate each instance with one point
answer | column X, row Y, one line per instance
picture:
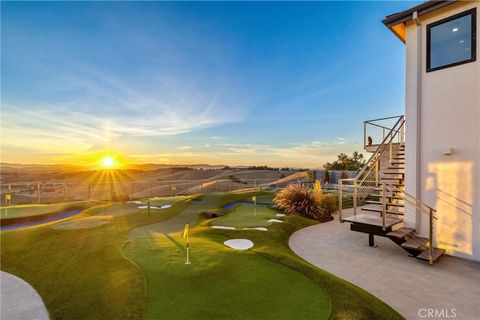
column 421, row 206
column 368, row 177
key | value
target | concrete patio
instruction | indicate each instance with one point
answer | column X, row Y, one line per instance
column 409, row 285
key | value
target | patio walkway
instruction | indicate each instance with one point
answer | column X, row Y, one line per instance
column 19, row 300
column 407, row 284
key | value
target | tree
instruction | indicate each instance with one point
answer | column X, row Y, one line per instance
column 343, row 175
column 326, row 178
column 311, row 175
column 345, row 162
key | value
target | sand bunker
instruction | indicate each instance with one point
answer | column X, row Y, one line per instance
column 274, row 220
column 135, row 202
column 257, row 228
column 166, row 206
column 239, row 244
column 280, row 214
column 223, row 227
column 83, row 223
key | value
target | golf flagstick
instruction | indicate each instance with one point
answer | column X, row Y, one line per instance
column 185, row 235
column 254, row 198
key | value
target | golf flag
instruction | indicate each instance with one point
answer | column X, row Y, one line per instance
column 8, row 197
column 185, row 232
column 185, row 235
column 254, row 198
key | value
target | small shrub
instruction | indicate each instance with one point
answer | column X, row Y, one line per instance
column 331, row 203
column 298, row 199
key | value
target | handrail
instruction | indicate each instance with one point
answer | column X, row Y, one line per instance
column 380, row 150
column 386, row 118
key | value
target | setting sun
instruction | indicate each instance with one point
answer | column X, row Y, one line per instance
column 108, row 162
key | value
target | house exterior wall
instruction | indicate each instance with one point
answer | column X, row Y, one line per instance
column 443, row 111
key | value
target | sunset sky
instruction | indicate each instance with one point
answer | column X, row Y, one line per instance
column 281, row 84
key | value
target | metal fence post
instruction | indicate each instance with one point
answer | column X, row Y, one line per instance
column 131, row 192
column 64, row 192
column 38, row 192
column 340, row 199
column 355, row 197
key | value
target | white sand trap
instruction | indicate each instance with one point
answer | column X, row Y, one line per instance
column 146, row 207
column 280, row 214
column 256, row 228
column 166, row 206
column 83, row 223
column 223, row 227
column 239, row 244
column 19, row 299
column 135, row 202
column 274, row 220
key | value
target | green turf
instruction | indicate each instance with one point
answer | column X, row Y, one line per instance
column 38, row 209
column 101, row 273
column 243, row 216
column 222, row 283
column 83, row 274
column 157, row 201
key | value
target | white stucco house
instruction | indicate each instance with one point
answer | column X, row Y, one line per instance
column 425, row 166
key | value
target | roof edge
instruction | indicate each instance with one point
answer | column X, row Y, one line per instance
column 407, row 15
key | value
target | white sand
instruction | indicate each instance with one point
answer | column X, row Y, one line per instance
column 135, row 202
column 280, row 214
column 223, row 227
column 166, row 206
column 274, row 220
column 19, row 299
column 239, row 244
column 256, row 228
column 82, row 223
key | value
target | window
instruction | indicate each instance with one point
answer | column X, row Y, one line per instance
column 451, row 41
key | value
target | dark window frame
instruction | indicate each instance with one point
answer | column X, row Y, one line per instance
column 472, row 12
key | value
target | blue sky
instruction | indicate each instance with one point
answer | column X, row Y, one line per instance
column 282, row 84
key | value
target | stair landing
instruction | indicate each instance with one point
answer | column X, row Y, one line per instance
column 372, row 220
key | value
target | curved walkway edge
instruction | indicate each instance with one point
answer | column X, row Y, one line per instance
column 19, row 300
column 409, row 285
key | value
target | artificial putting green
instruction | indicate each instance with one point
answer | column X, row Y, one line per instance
column 243, row 216
column 222, row 283
column 161, row 201
column 103, row 273
column 39, row 209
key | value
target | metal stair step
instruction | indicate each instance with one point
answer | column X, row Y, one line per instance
column 388, row 197
column 398, row 168
column 400, row 205
column 400, row 232
column 414, row 243
column 397, row 162
column 398, row 158
column 392, row 179
column 370, row 209
column 387, row 172
column 437, row 253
